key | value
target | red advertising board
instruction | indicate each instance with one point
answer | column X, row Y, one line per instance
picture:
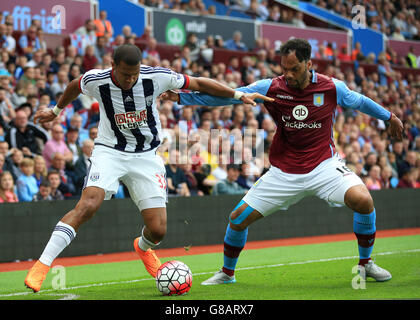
column 56, row 16
column 279, row 33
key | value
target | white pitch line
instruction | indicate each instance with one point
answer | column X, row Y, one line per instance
column 70, row 296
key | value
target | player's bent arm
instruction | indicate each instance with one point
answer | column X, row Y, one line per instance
column 198, row 98
column 354, row 100
column 70, row 94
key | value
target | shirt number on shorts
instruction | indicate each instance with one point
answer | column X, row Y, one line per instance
column 343, row 169
column 161, row 180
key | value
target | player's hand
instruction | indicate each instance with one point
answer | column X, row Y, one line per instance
column 170, row 95
column 396, row 127
column 45, row 115
column 249, row 98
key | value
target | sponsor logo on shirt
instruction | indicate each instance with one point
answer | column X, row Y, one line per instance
column 281, row 96
column 131, row 120
column 300, row 112
column 303, row 125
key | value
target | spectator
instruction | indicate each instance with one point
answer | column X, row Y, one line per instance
column 411, row 58
column 176, row 179
column 44, row 193
column 29, row 42
column 61, row 84
column 40, row 169
column 23, row 134
column 297, row 21
column 72, row 142
column 205, row 182
column 397, row 35
column 93, row 132
column 245, row 178
column 76, row 122
column 2, row 162
column 10, row 40
column 386, row 178
column 89, row 59
column 53, row 177
column 147, row 33
column 373, row 181
column 81, row 166
column 408, row 178
column 103, row 26
column 343, row 54
column 7, row 112
column 150, row 51
column 56, row 145
column 7, row 187
column 235, row 43
column 88, row 29
column 66, row 186
column 26, row 184
column 101, row 48
column 229, row 185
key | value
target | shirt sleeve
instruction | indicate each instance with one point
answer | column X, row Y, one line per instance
column 86, row 85
column 351, row 99
column 197, row 98
column 169, row 80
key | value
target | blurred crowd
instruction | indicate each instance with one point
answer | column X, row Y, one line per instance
column 397, row 19
column 207, row 150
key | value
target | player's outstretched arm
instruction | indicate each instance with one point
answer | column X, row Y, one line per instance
column 71, row 92
column 354, row 100
column 254, row 92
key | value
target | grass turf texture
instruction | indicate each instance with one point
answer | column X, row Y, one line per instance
column 314, row 271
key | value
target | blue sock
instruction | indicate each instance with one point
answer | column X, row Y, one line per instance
column 364, row 227
column 234, row 242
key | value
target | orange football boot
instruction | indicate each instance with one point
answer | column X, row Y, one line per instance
column 36, row 276
column 149, row 258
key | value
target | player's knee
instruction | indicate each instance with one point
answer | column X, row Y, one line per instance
column 362, row 202
column 234, row 223
column 86, row 208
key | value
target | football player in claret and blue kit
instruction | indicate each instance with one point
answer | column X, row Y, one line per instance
column 303, row 158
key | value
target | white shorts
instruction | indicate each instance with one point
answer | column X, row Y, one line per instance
column 277, row 190
column 143, row 174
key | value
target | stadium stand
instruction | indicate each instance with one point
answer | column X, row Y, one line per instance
column 36, row 67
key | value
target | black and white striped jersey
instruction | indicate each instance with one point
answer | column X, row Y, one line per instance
column 129, row 119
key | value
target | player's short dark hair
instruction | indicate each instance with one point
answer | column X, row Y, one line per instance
column 128, row 53
column 301, row 47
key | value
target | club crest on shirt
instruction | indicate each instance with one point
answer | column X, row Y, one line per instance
column 94, row 176
column 318, row 99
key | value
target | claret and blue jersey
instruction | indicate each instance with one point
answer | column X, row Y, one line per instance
column 304, row 118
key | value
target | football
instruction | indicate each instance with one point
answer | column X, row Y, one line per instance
column 173, row 278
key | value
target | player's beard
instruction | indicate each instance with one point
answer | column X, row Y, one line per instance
column 300, row 83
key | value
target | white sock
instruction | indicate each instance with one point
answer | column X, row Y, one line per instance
column 61, row 237
column 145, row 244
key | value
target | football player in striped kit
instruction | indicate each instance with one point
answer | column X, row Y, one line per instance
column 125, row 149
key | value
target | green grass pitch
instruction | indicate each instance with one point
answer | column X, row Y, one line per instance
column 305, row 272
